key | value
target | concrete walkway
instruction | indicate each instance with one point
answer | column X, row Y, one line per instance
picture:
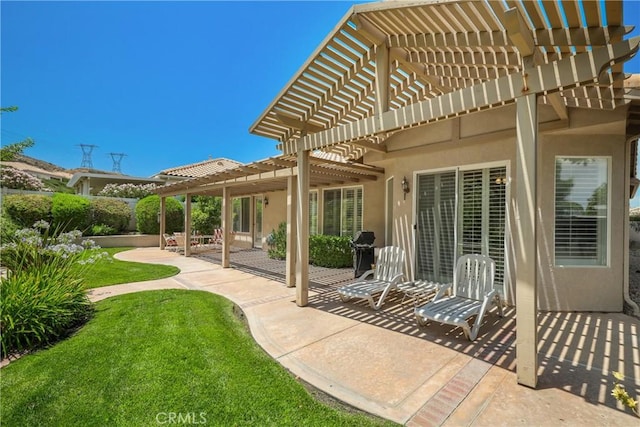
column 383, row 363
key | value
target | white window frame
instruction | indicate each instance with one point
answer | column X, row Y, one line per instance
column 607, row 263
column 342, row 190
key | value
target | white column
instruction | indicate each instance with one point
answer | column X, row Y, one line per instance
column 187, row 225
column 292, row 188
column 163, row 221
column 226, row 226
column 526, row 244
column 302, row 225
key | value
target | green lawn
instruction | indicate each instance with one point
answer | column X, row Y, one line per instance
column 114, row 272
column 147, row 355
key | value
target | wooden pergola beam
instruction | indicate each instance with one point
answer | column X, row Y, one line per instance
column 520, row 35
column 298, row 124
column 563, row 74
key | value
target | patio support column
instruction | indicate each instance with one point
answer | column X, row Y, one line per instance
column 526, row 244
column 163, row 221
column 226, row 226
column 292, row 188
column 187, row 224
column 302, row 224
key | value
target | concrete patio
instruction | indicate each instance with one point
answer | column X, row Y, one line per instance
column 384, row 363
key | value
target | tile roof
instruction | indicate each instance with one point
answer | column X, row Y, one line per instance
column 200, row 169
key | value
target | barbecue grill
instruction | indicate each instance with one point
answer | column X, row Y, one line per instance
column 363, row 251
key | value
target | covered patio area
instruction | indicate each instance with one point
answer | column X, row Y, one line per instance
column 383, row 363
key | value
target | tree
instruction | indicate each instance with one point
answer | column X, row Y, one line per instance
column 10, row 152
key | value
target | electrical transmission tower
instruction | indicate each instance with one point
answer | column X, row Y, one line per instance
column 117, row 158
column 87, row 149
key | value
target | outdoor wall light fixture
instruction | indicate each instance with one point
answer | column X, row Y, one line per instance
column 266, row 200
column 405, row 187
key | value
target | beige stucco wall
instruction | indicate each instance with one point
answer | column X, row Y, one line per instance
column 488, row 138
column 583, row 288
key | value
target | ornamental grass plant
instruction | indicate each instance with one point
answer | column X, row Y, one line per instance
column 43, row 296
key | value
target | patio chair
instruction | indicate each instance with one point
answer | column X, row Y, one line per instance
column 170, row 243
column 473, row 294
column 386, row 276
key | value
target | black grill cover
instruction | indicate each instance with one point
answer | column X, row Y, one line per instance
column 364, row 238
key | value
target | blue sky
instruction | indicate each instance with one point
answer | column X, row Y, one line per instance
column 166, row 83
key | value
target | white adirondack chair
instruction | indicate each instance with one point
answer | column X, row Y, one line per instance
column 387, row 274
column 473, row 293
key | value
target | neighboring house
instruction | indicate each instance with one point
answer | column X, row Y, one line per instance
column 463, row 127
column 38, row 172
column 196, row 170
column 89, row 182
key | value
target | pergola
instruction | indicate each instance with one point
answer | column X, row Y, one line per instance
column 391, row 66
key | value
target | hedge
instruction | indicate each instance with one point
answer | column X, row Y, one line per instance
column 70, row 212
column 330, row 251
column 324, row 250
column 147, row 211
column 26, row 209
column 112, row 213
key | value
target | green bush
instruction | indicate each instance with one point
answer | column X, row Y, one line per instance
column 43, row 296
column 26, row 209
column 70, row 212
column 277, row 242
column 201, row 223
column 8, row 227
column 147, row 211
column 102, row 230
column 324, row 251
column 330, row 251
column 113, row 213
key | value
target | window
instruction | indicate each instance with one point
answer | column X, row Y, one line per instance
column 342, row 211
column 482, row 217
column 581, row 211
column 313, row 213
column 242, row 214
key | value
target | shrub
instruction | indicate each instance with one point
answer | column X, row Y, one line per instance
column 20, row 180
column 70, row 212
column 201, row 222
column 147, row 211
column 102, row 230
column 277, row 241
column 330, row 251
column 324, row 251
column 26, row 209
column 43, row 296
column 113, row 213
column 8, row 229
column 131, row 191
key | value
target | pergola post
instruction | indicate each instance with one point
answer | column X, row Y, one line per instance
column 163, row 221
column 187, row 225
column 526, row 248
column 292, row 188
column 226, row 226
column 302, row 225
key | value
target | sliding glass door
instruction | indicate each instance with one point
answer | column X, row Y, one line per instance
column 477, row 226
